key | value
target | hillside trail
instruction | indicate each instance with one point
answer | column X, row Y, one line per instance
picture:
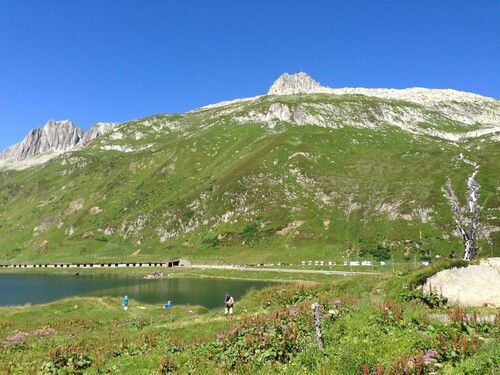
column 283, row 270
column 204, row 320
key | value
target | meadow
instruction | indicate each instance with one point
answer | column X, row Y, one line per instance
column 378, row 324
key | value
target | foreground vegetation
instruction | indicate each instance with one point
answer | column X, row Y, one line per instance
column 370, row 325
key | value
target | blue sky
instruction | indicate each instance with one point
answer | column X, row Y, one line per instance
column 92, row 60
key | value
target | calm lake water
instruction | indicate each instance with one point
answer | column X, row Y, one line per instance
column 19, row 289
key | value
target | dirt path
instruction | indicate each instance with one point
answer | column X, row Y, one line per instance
column 204, row 320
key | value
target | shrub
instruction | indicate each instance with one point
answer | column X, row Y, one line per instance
column 273, row 337
column 380, row 253
column 167, row 365
column 431, row 299
column 16, row 341
column 71, row 358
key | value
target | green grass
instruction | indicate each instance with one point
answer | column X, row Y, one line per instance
column 100, row 337
column 214, row 191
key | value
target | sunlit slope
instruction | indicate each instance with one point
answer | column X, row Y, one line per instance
column 247, row 182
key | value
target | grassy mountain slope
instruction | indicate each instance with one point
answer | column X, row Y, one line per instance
column 241, row 183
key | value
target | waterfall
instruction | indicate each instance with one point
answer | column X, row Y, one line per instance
column 466, row 219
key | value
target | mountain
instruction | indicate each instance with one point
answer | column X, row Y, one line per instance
column 96, row 131
column 43, row 144
column 57, row 136
column 299, row 83
column 304, row 173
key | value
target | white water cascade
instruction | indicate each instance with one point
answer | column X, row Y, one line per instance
column 467, row 219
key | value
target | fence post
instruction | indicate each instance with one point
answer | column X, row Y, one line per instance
column 392, row 258
column 319, row 334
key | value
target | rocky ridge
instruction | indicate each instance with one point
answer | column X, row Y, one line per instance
column 54, row 138
column 96, row 131
column 416, row 110
column 295, row 99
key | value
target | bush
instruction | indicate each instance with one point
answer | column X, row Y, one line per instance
column 167, row 365
column 431, row 299
column 72, row 359
column 381, row 253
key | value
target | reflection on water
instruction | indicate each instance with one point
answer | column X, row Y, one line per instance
column 18, row 289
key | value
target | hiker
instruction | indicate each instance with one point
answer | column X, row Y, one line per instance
column 125, row 303
column 229, row 302
column 167, row 305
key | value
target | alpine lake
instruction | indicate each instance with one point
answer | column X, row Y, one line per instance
column 21, row 289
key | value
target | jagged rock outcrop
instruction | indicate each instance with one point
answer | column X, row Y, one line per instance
column 55, row 136
column 470, row 115
column 447, row 114
column 96, row 131
column 302, row 83
column 298, row 83
column 43, row 144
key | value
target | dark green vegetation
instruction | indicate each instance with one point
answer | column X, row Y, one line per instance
column 205, row 187
column 369, row 324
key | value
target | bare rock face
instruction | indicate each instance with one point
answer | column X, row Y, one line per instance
column 475, row 285
column 55, row 136
column 294, row 84
column 42, row 144
column 96, row 131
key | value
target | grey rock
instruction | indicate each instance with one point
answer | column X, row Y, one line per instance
column 475, row 285
column 55, row 136
column 96, row 131
column 294, row 84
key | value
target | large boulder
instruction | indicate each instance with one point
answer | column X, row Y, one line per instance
column 475, row 285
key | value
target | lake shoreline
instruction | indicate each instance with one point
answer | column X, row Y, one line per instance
column 181, row 272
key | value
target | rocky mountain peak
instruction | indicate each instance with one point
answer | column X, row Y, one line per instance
column 294, row 84
column 56, row 136
column 96, row 131
column 53, row 138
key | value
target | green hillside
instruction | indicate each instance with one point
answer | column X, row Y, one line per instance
column 211, row 187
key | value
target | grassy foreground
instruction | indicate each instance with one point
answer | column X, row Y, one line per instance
column 370, row 324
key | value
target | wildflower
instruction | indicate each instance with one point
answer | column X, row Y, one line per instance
column 338, row 302
column 44, row 332
column 386, row 308
column 429, row 355
column 15, row 339
column 294, row 312
column 220, row 336
column 332, row 312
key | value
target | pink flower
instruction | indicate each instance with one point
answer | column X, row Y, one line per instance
column 44, row 332
column 220, row 336
column 430, row 354
column 15, row 339
column 338, row 302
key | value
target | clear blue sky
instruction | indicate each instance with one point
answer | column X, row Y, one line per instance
column 92, row 60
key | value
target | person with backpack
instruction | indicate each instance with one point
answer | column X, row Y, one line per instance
column 228, row 302
column 125, row 303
